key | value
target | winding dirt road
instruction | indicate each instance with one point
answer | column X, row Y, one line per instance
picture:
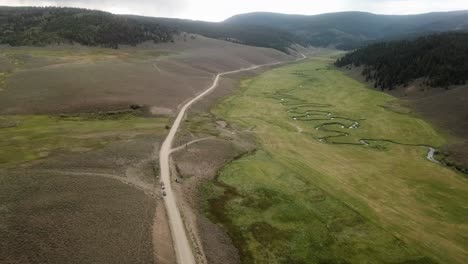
column 182, row 246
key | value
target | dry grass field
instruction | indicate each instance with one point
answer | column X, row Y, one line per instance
column 51, row 217
column 78, row 79
column 80, row 130
column 78, row 190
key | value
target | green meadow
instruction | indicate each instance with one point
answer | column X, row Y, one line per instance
column 340, row 175
column 26, row 138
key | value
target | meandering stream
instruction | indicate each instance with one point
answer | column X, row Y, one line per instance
column 335, row 126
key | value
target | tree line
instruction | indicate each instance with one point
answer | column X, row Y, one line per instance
column 39, row 26
column 49, row 25
column 440, row 60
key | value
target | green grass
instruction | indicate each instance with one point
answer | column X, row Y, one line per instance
column 201, row 125
column 300, row 200
column 3, row 77
column 27, row 138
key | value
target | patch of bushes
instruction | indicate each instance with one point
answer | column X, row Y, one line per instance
column 445, row 159
column 108, row 115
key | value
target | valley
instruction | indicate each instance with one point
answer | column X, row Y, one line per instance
column 308, row 187
column 264, row 138
column 80, row 134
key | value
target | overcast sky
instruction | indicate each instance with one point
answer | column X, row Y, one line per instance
column 217, row 10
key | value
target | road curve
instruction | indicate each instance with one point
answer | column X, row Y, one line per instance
column 182, row 247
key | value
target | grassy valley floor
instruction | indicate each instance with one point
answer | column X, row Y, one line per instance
column 26, row 138
column 340, row 175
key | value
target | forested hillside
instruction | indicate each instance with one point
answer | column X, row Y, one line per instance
column 345, row 30
column 253, row 35
column 350, row 30
column 42, row 26
column 439, row 60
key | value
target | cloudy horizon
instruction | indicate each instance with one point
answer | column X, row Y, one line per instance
column 218, row 10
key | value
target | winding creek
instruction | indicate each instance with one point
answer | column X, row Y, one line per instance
column 336, row 127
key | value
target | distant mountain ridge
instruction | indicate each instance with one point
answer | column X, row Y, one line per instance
column 348, row 30
column 344, row 30
column 253, row 35
column 39, row 26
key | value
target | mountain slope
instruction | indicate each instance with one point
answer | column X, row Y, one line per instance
column 42, row 26
column 348, row 30
column 459, row 22
column 344, row 30
column 253, row 35
column 440, row 60
column 23, row 26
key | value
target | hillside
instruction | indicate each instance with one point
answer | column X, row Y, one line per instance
column 459, row 22
column 348, row 30
column 440, row 60
column 34, row 26
column 253, row 35
column 21, row 26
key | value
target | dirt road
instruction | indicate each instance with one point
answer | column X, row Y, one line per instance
column 182, row 245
